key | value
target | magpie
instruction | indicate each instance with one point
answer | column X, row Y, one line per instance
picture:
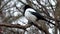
column 32, row 15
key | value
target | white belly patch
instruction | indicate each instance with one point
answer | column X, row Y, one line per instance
column 30, row 17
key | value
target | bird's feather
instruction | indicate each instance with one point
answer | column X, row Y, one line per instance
column 41, row 17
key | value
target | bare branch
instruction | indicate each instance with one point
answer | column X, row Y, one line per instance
column 46, row 11
column 5, row 4
column 40, row 28
column 22, row 2
column 22, row 27
column 15, row 26
column 51, row 5
column 19, row 9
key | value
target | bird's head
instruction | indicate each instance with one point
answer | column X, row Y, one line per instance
column 26, row 7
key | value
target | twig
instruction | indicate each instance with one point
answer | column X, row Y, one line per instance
column 5, row 4
column 46, row 11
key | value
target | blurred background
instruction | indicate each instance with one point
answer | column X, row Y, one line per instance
column 11, row 14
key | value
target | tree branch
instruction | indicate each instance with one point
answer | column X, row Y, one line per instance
column 46, row 11
column 15, row 26
column 40, row 28
column 22, row 27
column 5, row 4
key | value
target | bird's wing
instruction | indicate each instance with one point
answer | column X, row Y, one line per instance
column 37, row 15
column 41, row 17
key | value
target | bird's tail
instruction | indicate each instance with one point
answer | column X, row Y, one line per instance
column 49, row 22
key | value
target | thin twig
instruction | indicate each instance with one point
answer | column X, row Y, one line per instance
column 5, row 4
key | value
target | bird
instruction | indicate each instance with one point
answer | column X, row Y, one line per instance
column 32, row 15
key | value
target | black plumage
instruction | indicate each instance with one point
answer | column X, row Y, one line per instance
column 26, row 7
column 37, row 15
column 40, row 17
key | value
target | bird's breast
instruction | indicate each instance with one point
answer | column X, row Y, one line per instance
column 30, row 16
